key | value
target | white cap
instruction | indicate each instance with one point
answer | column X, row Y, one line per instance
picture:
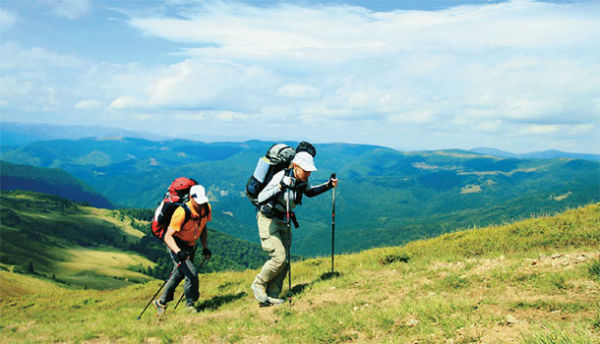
column 198, row 194
column 305, row 161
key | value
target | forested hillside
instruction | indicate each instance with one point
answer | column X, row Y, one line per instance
column 51, row 181
column 384, row 196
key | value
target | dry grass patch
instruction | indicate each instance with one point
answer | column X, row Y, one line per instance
column 15, row 285
column 108, row 263
column 107, row 215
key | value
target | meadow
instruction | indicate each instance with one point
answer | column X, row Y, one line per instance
column 534, row 281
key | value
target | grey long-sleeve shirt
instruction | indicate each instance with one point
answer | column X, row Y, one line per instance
column 272, row 191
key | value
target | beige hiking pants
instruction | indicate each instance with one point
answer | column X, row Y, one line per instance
column 275, row 239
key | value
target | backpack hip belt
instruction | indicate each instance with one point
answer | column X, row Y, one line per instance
column 273, row 213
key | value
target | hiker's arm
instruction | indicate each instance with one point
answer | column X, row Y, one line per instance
column 204, row 237
column 312, row 191
column 170, row 241
column 272, row 189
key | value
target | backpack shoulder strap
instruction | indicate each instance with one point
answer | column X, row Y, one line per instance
column 207, row 209
column 188, row 212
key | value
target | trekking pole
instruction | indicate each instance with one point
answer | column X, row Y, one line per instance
column 158, row 291
column 182, row 294
column 289, row 260
column 332, row 224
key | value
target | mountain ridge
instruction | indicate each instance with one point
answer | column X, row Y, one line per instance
column 51, row 181
column 545, row 154
column 457, row 188
column 14, row 134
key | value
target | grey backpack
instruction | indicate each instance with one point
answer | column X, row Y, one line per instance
column 278, row 157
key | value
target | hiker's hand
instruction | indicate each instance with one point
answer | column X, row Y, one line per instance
column 182, row 255
column 287, row 182
column 332, row 182
column 206, row 253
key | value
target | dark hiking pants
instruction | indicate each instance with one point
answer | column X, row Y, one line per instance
column 186, row 270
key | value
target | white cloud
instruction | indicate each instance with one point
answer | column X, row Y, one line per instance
column 519, row 60
column 208, row 83
column 563, row 130
column 345, row 32
column 412, row 117
column 207, row 116
column 345, row 73
column 488, row 126
column 541, row 129
column 298, row 91
column 126, row 103
column 87, row 104
column 70, row 9
column 15, row 57
column 7, row 20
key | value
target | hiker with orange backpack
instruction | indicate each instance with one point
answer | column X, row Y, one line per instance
column 282, row 193
column 186, row 226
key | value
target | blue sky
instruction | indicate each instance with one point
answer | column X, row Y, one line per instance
column 516, row 75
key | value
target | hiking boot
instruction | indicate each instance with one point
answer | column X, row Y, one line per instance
column 191, row 309
column 259, row 293
column 275, row 301
column 160, row 308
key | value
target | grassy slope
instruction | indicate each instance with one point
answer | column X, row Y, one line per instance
column 87, row 247
column 535, row 281
column 15, row 285
column 51, row 181
column 60, row 238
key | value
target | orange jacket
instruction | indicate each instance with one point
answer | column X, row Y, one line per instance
column 191, row 230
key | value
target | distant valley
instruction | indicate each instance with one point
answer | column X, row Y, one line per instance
column 385, row 197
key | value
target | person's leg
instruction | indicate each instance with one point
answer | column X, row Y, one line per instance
column 275, row 286
column 269, row 232
column 191, row 282
column 172, row 283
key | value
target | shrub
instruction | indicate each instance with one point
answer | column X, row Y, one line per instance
column 392, row 258
column 594, row 270
column 454, row 281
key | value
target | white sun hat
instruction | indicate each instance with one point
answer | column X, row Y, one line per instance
column 305, row 161
column 198, row 194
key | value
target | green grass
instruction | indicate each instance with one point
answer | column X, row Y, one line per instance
column 510, row 292
column 552, row 306
column 553, row 335
column 594, row 269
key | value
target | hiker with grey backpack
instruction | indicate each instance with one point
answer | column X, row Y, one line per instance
column 277, row 196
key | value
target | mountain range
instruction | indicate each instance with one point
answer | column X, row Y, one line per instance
column 547, row 154
column 385, row 197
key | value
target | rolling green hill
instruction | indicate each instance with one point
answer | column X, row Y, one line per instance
column 384, row 196
column 79, row 246
column 534, row 281
column 51, row 181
